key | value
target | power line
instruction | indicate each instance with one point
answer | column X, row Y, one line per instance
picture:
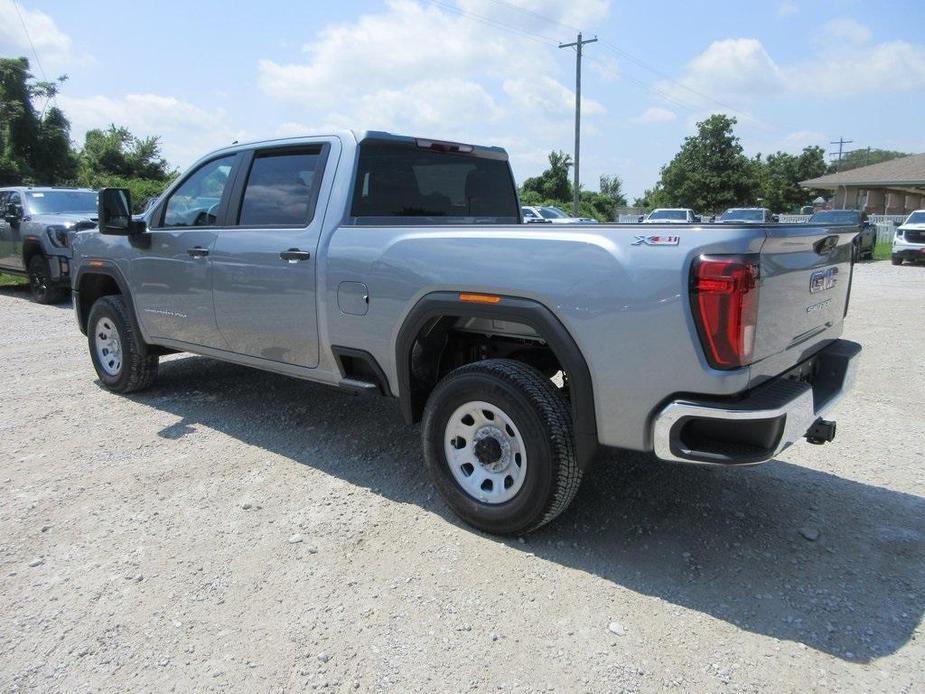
column 643, row 64
column 29, row 39
column 545, row 40
column 577, row 45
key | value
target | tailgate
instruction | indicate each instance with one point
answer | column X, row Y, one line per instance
column 804, row 288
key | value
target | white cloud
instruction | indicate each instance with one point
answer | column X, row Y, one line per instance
column 429, row 69
column 733, row 67
column 787, row 8
column 848, row 63
column 536, row 14
column 606, row 67
column 186, row 130
column 734, row 75
column 655, row 114
column 844, row 29
column 55, row 48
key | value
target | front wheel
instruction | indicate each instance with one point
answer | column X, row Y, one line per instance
column 40, row 282
column 499, row 446
column 119, row 356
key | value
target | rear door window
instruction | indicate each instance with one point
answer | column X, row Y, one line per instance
column 282, row 187
column 399, row 183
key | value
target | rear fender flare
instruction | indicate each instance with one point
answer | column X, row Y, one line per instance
column 514, row 309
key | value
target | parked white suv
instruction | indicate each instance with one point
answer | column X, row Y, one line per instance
column 909, row 241
column 535, row 213
column 672, row 215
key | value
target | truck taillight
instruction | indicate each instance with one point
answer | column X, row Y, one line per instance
column 724, row 299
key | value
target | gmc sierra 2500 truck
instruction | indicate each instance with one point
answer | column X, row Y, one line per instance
column 375, row 262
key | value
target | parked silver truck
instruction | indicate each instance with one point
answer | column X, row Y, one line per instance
column 36, row 228
column 400, row 265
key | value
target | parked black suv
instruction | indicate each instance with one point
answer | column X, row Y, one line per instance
column 864, row 242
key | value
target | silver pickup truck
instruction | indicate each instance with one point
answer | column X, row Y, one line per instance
column 401, row 265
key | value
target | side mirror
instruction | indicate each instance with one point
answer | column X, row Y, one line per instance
column 12, row 213
column 114, row 209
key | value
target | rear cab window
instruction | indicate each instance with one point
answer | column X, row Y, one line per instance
column 282, row 187
column 420, row 182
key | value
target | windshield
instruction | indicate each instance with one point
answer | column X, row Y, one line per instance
column 742, row 215
column 916, row 218
column 669, row 214
column 58, row 201
column 552, row 213
column 836, row 217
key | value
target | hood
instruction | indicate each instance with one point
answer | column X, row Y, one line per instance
column 74, row 222
column 911, row 227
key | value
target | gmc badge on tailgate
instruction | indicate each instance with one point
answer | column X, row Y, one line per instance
column 823, row 280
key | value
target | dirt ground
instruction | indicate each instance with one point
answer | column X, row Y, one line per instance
column 234, row 530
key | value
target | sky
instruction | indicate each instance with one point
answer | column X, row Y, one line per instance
column 205, row 73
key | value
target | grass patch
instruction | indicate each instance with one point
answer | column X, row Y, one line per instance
column 11, row 280
column 883, row 250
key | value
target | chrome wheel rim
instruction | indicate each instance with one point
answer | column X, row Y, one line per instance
column 485, row 452
column 108, row 346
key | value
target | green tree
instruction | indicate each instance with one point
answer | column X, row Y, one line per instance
column 864, row 157
column 34, row 147
column 553, row 183
column 710, row 173
column 780, row 175
column 115, row 158
column 116, row 152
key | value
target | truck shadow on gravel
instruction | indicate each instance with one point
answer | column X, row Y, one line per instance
column 780, row 550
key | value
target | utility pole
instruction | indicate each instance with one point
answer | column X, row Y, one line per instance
column 577, row 44
column 841, row 142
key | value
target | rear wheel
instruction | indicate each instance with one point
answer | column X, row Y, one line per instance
column 498, row 445
column 119, row 356
column 40, row 282
column 896, row 259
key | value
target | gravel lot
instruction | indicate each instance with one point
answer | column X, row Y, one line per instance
column 234, row 530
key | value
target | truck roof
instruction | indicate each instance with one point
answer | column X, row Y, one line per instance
column 358, row 136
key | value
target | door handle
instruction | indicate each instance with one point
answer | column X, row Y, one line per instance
column 294, row 255
column 198, row 252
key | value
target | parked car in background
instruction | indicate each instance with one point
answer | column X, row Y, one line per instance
column 909, row 241
column 557, row 216
column 532, row 217
column 303, row 257
column 672, row 215
column 36, row 229
column 866, row 239
column 748, row 215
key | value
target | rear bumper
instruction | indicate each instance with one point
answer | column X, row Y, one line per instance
column 758, row 426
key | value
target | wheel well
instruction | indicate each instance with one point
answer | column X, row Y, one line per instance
column 445, row 343
column 91, row 287
column 30, row 249
column 443, row 331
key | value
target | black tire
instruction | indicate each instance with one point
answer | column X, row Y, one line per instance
column 138, row 368
column 542, row 417
column 40, row 282
column 896, row 259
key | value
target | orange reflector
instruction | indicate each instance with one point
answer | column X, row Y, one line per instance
column 96, row 263
column 480, row 298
